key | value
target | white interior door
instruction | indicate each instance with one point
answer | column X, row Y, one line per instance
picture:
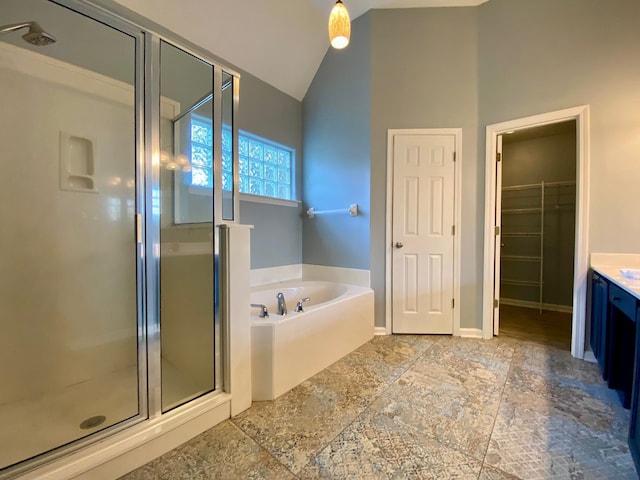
column 422, row 233
column 498, row 237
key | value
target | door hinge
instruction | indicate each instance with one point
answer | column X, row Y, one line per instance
column 138, row 221
column 453, row 229
column 495, row 303
column 498, row 157
column 453, row 303
column 497, row 230
column 454, row 156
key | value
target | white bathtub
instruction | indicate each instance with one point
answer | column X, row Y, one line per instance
column 287, row 350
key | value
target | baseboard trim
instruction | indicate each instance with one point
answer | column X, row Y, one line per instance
column 471, row 332
column 545, row 306
column 380, row 331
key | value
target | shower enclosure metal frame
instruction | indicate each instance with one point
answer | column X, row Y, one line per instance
column 147, row 37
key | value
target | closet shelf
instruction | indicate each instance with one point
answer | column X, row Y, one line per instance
column 534, row 192
column 532, row 186
column 521, row 234
column 521, row 210
column 526, row 283
column 523, row 258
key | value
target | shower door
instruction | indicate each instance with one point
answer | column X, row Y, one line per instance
column 188, row 139
column 70, row 311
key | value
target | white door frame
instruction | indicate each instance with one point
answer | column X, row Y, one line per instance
column 391, row 133
column 581, row 255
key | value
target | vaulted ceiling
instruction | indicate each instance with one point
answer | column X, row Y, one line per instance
column 282, row 42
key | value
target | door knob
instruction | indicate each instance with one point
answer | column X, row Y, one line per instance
column 399, row 245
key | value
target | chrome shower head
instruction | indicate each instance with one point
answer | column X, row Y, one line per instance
column 35, row 36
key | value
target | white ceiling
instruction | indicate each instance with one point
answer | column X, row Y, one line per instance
column 281, row 42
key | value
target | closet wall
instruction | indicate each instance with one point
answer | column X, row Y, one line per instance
column 538, row 217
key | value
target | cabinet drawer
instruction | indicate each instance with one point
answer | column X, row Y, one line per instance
column 622, row 300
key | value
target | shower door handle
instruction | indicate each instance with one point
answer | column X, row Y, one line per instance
column 399, row 244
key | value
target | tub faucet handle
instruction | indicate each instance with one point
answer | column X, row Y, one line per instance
column 300, row 302
column 264, row 313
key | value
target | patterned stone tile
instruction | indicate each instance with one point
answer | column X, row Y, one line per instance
column 173, row 465
column 374, row 447
column 397, row 350
column 457, row 411
column 557, row 364
column 359, row 378
column 596, row 408
column 462, row 364
column 409, row 406
column 558, row 420
column 295, row 426
column 222, row 452
column 492, row 354
column 491, row 473
column 532, row 440
column 228, row 453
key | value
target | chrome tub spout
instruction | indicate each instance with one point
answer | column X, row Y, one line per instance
column 282, row 305
column 264, row 313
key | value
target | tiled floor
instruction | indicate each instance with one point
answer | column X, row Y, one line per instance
column 404, row 407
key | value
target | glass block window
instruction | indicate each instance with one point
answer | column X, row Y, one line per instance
column 265, row 167
column 201, row 154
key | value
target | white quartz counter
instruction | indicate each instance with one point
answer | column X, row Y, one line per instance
column 609, row 265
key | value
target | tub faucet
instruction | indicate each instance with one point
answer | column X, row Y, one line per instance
column 264, row 313
column 282, row 305
column 300, row 302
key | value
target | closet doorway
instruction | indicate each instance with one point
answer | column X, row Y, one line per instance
column 495, row 133
column 537, row 201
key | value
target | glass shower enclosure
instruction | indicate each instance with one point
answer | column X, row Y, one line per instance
column 109, row 197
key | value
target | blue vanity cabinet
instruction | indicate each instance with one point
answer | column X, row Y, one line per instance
column 599, row 324
column 621, row 348
column 634, row 428
column 615, row 341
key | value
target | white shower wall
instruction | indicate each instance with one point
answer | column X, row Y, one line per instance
column 68, row 261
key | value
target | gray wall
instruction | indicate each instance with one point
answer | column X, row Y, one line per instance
column 544, row 55
column 412, row 68
column 267, row 112
column 336, row 113
column 550, row 158
column 423, row 75
column 471, row 67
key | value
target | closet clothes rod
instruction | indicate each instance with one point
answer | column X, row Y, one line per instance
column 531, row 186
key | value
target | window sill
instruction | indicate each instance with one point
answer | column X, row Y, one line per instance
column 247, row 197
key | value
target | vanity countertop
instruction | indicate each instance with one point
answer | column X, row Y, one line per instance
column 609, row 266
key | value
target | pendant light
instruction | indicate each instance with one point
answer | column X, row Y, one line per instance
column 339, row 26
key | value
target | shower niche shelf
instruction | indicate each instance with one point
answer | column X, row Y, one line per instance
column 77, row 163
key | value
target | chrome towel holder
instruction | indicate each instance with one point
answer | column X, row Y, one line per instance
column 352, row 210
